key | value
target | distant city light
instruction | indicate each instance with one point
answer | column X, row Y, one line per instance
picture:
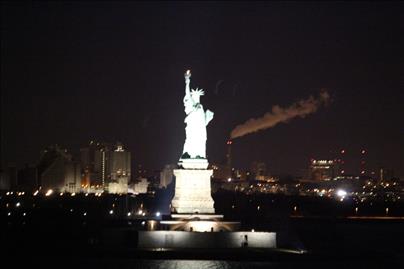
column 341, row 193
column 49, row 192
column 36, row 193
column 252, row 230
column 143, row 222
column 158, row 214
column 9, row 214
column 129, row 214
column 111, row 212
column 24, row 214
column 17, row 204
column 85, row 214
column 229, row 179
column 73, row 194
column 140, row 212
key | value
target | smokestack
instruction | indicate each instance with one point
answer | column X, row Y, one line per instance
column 279, row 114
column 228, row 157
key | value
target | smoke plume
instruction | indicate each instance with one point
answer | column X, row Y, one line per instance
column 279, row 114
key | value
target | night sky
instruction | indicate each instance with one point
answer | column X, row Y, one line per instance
column 73, row 72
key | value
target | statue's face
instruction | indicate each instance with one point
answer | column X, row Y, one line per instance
column 196, row 98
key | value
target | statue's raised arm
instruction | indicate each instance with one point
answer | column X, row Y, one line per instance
column 187, row 97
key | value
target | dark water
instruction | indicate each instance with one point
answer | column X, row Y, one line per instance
column 55, row 237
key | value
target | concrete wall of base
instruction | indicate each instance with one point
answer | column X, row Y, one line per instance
column 180, row 239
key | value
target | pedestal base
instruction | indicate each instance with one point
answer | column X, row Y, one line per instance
column 191, row 240
column 192, row 192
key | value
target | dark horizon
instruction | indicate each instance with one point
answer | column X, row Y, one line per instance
column 75, row 72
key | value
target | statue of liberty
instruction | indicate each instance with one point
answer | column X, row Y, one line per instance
column 196, row 121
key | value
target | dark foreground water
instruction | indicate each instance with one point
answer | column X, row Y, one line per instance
column 59, row 235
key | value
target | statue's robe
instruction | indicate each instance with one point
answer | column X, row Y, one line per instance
column 195, row 130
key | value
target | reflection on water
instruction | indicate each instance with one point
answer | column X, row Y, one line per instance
column 176, row 264
column 179, row 264
column 213, row 264
column 199, row 264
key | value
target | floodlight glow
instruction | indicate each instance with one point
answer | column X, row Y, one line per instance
column 341, row 193
column 49, row 192
column 202, row 226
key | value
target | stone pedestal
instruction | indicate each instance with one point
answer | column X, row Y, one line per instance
column 192, row 190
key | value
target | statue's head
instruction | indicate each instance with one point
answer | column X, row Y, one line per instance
column 196, row 94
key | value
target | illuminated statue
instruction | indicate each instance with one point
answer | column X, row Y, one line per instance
column 196, row 121
column 192, row 178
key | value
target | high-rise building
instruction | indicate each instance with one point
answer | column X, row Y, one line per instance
column 323, row 169
column 93, row 163
column 117, row 169
column 58, row 171
column 27, row 178
column 118, row 163
column 104, row 165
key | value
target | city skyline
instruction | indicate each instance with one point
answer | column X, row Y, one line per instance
column 81, row 72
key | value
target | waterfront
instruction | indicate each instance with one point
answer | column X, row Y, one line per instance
column 73, row 228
